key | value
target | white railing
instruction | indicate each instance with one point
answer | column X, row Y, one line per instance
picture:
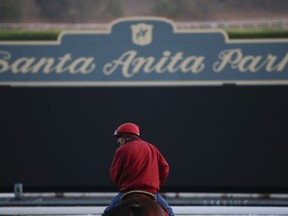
column 178, row 210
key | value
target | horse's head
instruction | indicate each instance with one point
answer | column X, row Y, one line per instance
column 137, row 207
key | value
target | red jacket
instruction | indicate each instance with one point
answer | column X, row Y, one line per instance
column 138, row 165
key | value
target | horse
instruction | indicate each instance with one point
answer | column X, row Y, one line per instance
column 138, row 203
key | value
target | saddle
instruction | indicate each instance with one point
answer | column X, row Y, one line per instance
column 138, row 194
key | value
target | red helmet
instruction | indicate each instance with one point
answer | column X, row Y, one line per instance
column 127, row 129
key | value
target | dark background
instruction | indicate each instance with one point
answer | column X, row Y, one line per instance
column 216, row 139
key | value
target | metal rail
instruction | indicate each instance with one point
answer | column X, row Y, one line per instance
column 179, row 211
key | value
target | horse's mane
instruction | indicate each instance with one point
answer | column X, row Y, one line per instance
column 137, row 207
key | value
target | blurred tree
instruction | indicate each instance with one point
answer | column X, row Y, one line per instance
column 192, row 9
column 53, row 10
column 10, row 10
column 82, row 11
column 69, row 10
column 114, row 8
column 168, row 8
column 268, row 5
column 199, row 9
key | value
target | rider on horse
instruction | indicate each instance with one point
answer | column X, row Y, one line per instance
column 137, row 165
